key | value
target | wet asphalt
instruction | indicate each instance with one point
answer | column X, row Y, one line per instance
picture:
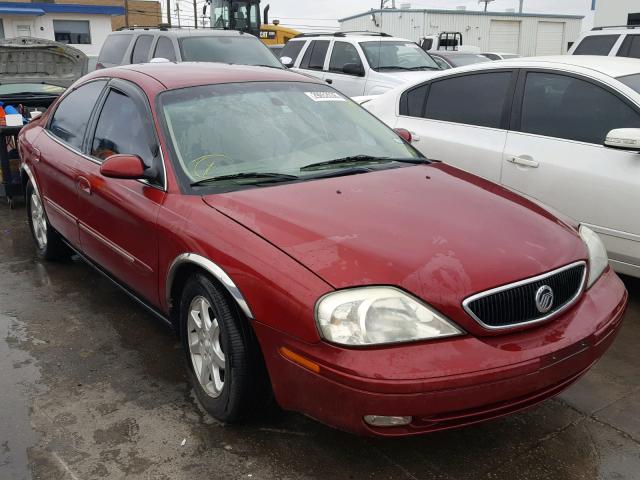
column 92, row 386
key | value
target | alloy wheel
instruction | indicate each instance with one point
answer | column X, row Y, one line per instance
column 38, row 220
column 207, row 356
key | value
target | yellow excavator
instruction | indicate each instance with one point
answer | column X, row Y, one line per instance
column 244, row 15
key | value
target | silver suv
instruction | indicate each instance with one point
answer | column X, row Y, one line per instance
column 141, row 44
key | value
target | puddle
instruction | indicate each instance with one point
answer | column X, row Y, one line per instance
column 19, row 377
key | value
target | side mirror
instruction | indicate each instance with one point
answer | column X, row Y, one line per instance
column 404, row 134
column 353, row 69
column 286, row 61
column 624, row 139
column 123, row 166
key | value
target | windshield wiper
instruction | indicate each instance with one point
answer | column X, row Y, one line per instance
column 392, row 67
column 423, row 67
column 263, row 177
column 355, row 159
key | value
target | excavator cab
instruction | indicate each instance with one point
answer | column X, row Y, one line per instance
column 242, row 15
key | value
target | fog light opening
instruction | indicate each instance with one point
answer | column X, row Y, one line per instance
column 385, row 421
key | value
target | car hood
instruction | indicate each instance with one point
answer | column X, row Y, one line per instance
column 36, row 60
column 436, row 231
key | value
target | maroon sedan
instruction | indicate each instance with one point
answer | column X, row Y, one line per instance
column 301, row 247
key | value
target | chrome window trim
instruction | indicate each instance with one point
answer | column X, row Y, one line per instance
column 214, row 270
column 566, row 306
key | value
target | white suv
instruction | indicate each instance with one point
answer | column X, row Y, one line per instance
column 609, row 41
column 358, row 63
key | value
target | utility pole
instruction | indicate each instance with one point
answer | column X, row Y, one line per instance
column 126, row 13
column 178, row 11
column 521, row 4
column 169, row 12
column 195, row 14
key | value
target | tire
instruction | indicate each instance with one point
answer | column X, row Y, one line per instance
column 235, row 383
column 49, row 244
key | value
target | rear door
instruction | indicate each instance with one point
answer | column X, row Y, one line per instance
column 555, row 154
column 345, row 54
column 461, row 119
column 59, row 150
column 314, row 57
column 117, row 218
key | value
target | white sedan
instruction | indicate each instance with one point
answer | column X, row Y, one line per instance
column 563, row 130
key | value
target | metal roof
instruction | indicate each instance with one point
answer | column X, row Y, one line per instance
column 19, row 8
column 461, row 12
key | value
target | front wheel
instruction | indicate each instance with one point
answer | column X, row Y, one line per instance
column 48, row 242
column 224, row 361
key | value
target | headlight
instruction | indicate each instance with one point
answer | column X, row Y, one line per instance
column 378, row 315
column 598, row 259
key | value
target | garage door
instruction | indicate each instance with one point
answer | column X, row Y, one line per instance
column 550, row 38
column 504, row 36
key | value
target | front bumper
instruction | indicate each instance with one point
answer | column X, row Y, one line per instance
column 447, row 383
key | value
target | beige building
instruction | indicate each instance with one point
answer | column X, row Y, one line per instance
column 616, row 12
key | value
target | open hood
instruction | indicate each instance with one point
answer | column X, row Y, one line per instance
column 36, row 60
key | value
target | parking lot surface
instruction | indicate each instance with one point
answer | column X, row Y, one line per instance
column 92, row 386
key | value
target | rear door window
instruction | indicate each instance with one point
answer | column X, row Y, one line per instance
column 113, row 49
column 291, row 50
column 630, row 47
column 141, row 49
column 164, row 49
column 315, row 55
column 596, row 45
column 477, row 99
column 71, row 117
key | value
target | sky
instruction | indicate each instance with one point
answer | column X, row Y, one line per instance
column 309, row 14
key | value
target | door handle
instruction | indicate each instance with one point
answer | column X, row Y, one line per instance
column 524, row 160
column 84, row 185
column 329, row 81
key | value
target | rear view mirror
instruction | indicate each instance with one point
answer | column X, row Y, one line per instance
column 624, row 139
column 123, row 166
column 286, row 61
column 353, row 69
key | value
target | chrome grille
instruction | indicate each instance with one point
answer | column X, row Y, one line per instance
column 515, row 304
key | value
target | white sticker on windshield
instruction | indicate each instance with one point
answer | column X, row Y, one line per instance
column 325, row 96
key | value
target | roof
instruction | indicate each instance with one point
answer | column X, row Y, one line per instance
column 461, row 12
column 37, row 9
column 187, row 74
column 610, row 66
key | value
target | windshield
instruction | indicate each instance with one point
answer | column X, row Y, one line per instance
column 397, row 55
column 632, row 81
column 271, row 127
column 460, row 60
column 243, row 50
column 37, row 88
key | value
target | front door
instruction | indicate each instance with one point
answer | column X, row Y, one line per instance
column 557, row 157
column 117, row 221
column 350, row 84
